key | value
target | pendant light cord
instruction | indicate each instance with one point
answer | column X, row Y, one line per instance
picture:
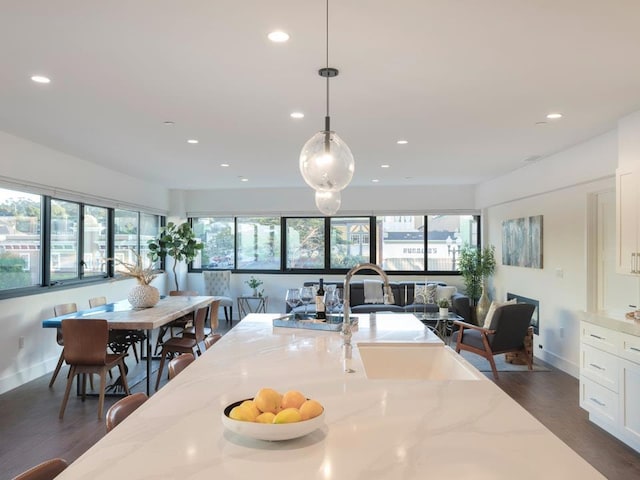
column 326, row 119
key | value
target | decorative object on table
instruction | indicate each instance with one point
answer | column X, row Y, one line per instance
column 292, row 297
column 271, row 415
column 326, row 162
column 522, row 242
column 143, row 295
column 476, row 266
column 177, row 241
column 306, row 295
column 443, row 305
column 254, row 283
column 332, row 299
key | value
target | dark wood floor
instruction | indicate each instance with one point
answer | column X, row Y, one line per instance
column 30, row 431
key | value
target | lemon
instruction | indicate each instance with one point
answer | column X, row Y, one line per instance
column 288, row 415
column 266, row 417
column 310, row 409
column 293, row 399
column 268, row 400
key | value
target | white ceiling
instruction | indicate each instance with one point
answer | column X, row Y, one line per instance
column 463, row 81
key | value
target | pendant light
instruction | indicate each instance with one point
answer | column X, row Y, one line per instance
column 328, row 202
column 326, row 162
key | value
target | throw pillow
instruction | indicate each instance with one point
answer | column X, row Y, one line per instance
column 492, row 310
column 425, row 294
column 445, row 292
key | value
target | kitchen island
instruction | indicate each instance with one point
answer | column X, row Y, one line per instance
column 386, row 428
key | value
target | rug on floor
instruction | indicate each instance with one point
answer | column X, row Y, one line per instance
column 482, row 364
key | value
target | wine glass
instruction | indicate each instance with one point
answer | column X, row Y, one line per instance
column 306, row 295
column 332, row 299
column 293, row 297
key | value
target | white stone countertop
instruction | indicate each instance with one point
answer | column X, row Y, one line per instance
column 375, row 429
column 614, row 320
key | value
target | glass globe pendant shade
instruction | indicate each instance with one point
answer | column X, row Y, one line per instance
column 326, row 162
column 328, row 202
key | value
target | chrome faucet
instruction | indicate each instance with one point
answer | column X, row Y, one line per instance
column 388, row 296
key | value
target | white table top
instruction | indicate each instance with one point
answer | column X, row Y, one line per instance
column 375, row 429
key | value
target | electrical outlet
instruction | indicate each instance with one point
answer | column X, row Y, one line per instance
column 21, row 342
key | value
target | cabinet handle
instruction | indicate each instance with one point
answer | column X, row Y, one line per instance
column 633, row 262
column 596, row 336
column 597, row 402
column 598, row 367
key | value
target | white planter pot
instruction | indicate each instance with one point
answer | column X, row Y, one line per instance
column 444, row 312
column 143, row 296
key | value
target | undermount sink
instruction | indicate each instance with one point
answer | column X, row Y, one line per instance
column 414, row 361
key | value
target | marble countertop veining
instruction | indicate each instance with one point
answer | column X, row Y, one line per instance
column 375, row 429
column 614, row 320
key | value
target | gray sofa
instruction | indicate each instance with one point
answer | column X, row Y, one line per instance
column 403, row 293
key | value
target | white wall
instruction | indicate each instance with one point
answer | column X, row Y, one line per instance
column 556, row 187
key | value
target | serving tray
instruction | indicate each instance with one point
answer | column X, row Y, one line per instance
column 332, row 324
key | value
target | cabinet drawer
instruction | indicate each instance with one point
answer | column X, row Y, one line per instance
column 600, row 337
column 598, row 400
column 630, row 347
column 599, row 366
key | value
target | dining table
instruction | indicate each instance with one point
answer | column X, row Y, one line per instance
column 122, row 316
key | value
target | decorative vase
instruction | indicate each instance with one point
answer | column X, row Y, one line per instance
column 255, row 292
column 444, row 312
column 143, row 296
column 482, row 307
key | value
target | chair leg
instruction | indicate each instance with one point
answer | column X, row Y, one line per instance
column 103, row 387
column 57, row 370
column 488, row 354
column 226, row 314
column 123, row 376
column 70, row 377
column 160, row 368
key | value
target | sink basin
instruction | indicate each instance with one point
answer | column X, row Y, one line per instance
column 414, row 361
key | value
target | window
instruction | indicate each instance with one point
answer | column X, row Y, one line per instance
column 258, row 243
column 125, row 224
column 349, row 239
column 305, row 242
column 149, row 230
column 65, row 240
column 217, row 235
column 401, row 243
column 20, row 239
column 447, row 234
column 95, row 221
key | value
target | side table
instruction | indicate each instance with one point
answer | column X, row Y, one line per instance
column 250, row 304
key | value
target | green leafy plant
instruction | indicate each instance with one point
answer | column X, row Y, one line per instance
column 443, row 303
column 177, row 241
column 476, row 265
column 253, row 282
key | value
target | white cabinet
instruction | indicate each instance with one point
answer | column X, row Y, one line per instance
column 610, row 381
column 627, row 225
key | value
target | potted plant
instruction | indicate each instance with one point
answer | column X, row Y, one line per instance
column 443, row 305
column 476, row 266
column 143, row 295
column 177, row 241
column 254, row 283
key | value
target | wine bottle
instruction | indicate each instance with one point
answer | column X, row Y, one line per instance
column 320, row 313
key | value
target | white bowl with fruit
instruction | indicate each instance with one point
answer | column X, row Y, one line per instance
column 271, row 415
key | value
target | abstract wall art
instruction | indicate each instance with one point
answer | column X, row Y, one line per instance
column 522, row 242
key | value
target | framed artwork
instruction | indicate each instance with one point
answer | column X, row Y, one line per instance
column 522, row 242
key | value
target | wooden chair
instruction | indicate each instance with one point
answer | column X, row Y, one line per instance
column 212, row 315
column 44, row 471
column 123, row 408
column 121, row 339
column 211, row 339
column 85, row 351
column 61, row 309
column 506, row 333
column 184, row 344
column 182, row 322
column 176, row 365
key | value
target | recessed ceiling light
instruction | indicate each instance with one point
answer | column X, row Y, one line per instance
column 554, row 116
column 297, row 115
column 224, row 164
column 402, row 142
column 278, row 36
column 192, row 141
column 385, row 166
column 168, row 123
column 244, row 179
column 40, row 79
column 375, row 180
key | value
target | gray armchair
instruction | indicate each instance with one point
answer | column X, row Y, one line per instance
column 506, row 333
